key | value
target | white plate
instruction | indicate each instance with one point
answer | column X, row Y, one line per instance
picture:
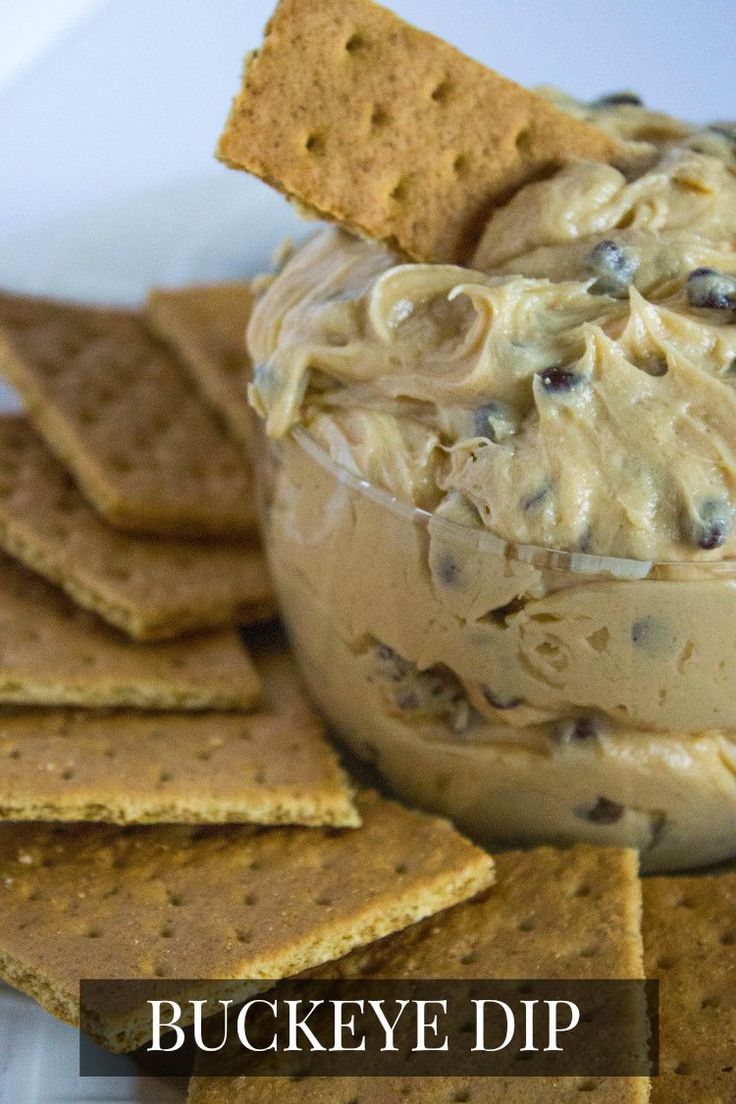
column 212, row 229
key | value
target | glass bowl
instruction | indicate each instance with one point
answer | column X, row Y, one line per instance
column 532, row 695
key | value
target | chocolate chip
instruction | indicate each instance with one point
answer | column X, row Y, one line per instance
column 493, row 420
column 651, row 634
column 393, row 666
column 535, row 499
column 724, row 130
column 407, row 700
column 614, row 266
column 559, row 380
column 618, row 99
column 499, row 701
column 448, row 569
column 584, row 728
column 483, row 420
column 603, row 812
column 711, row 290
column 585, row 542
column 711, row 528
column 578, row 731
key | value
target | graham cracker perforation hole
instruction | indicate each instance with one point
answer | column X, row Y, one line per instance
column 682, row 1069
column 314, row 143
column 665, row 963
column 523, row 140
column 728, row 939
column 710, row 1003
column 441, row 92
column 400, row 191
column 379, row 117
column 175, row 899
column 355, row 43
column 324, row 901
column 462, row 1096
column 587, row 1087
column 460, row 165
column 528, row 925
column 401, row 868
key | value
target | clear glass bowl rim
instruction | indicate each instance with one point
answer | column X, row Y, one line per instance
column 550, row 559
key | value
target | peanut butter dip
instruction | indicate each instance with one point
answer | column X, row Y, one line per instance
column 501, row 499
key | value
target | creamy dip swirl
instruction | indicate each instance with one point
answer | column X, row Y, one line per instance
column 575, row 388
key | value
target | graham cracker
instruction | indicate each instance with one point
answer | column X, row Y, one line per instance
column 367, row 121
column 151, row 589
column 690, row 946
column 54, row 653
column 238, row 902
column 206, row 326
column 120, row 412
column 552, row 914
column 272, row 766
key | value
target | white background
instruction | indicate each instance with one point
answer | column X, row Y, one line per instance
column 109, row 111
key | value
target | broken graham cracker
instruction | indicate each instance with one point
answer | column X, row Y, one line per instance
column 551, row 914
column 273, row 766
column 152, row 589
column 236, row 902
column 206, row 324
column 689, row 946
column 369, row 122
column 120, row 412
column 54, row 653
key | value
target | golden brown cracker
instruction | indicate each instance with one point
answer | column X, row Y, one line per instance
column 690, row 947
column 551, row 914
column 118, row 409
column 272, row 766
column 371, row 123
column 205, row 324
column 153, row 589
column 54, row 653
column 235, row 902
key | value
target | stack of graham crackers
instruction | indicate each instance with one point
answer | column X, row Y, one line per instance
column 128, row 698
column 130, row 703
